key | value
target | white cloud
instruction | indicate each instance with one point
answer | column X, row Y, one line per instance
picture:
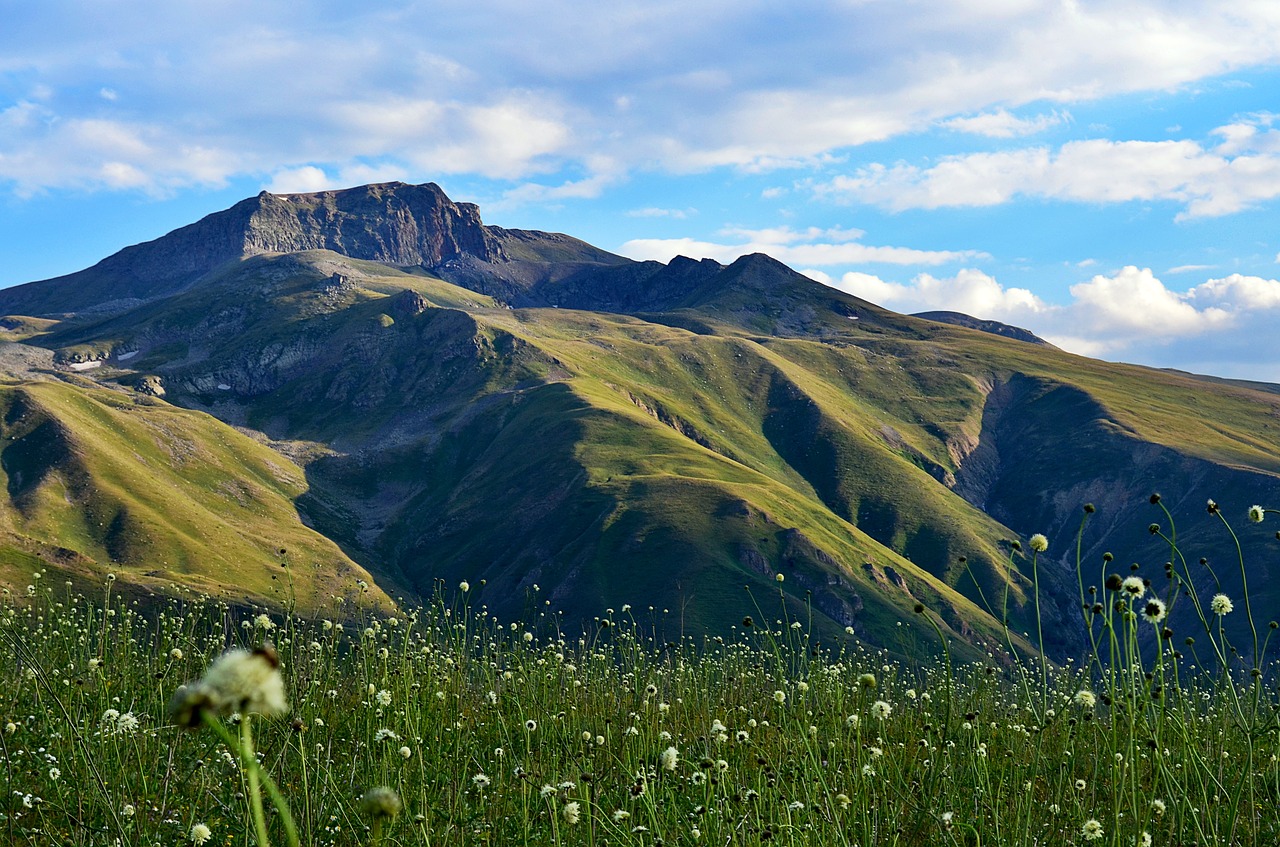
column 508, row 89
column 1207, row 182
column 1003, row 124
column 813, row 246
column 1129, row 314
column 653, row 212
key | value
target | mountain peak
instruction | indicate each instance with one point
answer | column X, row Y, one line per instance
column 393, row 223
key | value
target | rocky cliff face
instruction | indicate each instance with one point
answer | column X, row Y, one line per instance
column 393, row 223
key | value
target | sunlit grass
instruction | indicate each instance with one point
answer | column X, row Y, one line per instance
column 447, row 726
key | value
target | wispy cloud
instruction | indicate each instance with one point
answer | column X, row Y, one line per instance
column 509, row 90
column 1003, row 124
column 1207, row 182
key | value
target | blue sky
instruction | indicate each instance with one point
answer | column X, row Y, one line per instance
column 1106, row 174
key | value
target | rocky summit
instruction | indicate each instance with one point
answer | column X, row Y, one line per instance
column 358, row 394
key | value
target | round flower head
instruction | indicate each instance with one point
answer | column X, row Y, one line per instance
column 881, row 709
column 200, row 834
column 381, row 802
column 1038, row 543
column 1221, row 604
column 1154, row 610
column 1133, row 586
column 1085, row 698
column 572, row 812
column 1257, row 513
column 867, row 680
column 1092, row 830
column 238, row 682
column 670, row 758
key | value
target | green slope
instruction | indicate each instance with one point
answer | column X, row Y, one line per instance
column 747, row 423
column 98, row 481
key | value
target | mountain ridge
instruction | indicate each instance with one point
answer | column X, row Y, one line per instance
column 637, row 432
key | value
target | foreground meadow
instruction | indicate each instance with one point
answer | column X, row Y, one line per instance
column 446, row 726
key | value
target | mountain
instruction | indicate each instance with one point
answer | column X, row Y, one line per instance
column 993, row 327
column 557, row 424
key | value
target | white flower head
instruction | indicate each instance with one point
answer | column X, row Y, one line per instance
column 1257, row 513
column 572, row 812
column 200, row 834
column 670, row 758
column 1085, row 698
column 237, row 682
column 1154, row 610
column 1133, row 586
column 1221, row 604
column 880, row 709
column 1039, row 543
column 1092, row 830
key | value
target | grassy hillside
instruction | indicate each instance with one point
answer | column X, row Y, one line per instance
column 99, row 480
column 756, row 424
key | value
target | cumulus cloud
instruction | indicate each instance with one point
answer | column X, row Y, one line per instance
column 1128, row 314
column 799, row 248
column 1207, row 182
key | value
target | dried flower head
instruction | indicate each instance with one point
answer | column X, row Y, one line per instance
column 380, row 802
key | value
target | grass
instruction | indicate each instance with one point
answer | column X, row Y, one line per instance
column 445, row 725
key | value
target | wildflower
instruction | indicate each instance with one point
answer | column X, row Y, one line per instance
column 175, row 654
column 1080, row 784
column 481, row 781
column 1257, row 513
column 946, row 819
column 852, row 721
column 10, row 728
column 546, row 791
column 780, row 697
column 128, row 811
column 867, row 680
column 127, row 724
column 741, row 736
column 383, row 697
column 1154, row 610
column 1145, row 840
column 1157, row 806
column 1221, row 604
column 530, row 725
column 670, row 758
column 55, row 774
column 880, row 709
column 385, row 735
column 1038, row 543
column 464, row 586
column 239, row 681
column 200, row 834
column 381, row 802
column 795, row 806
column 1092, row 830
column 1085, row 698
column 867, row 770
column 1133, row 586
column 572, row 812
column 406, row 753
column 779, row 577
column 621, row 815
column 843, row 800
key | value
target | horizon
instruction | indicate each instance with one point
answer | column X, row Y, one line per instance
column 1106, row 178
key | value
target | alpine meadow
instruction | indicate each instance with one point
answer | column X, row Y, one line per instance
column 345, row 518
